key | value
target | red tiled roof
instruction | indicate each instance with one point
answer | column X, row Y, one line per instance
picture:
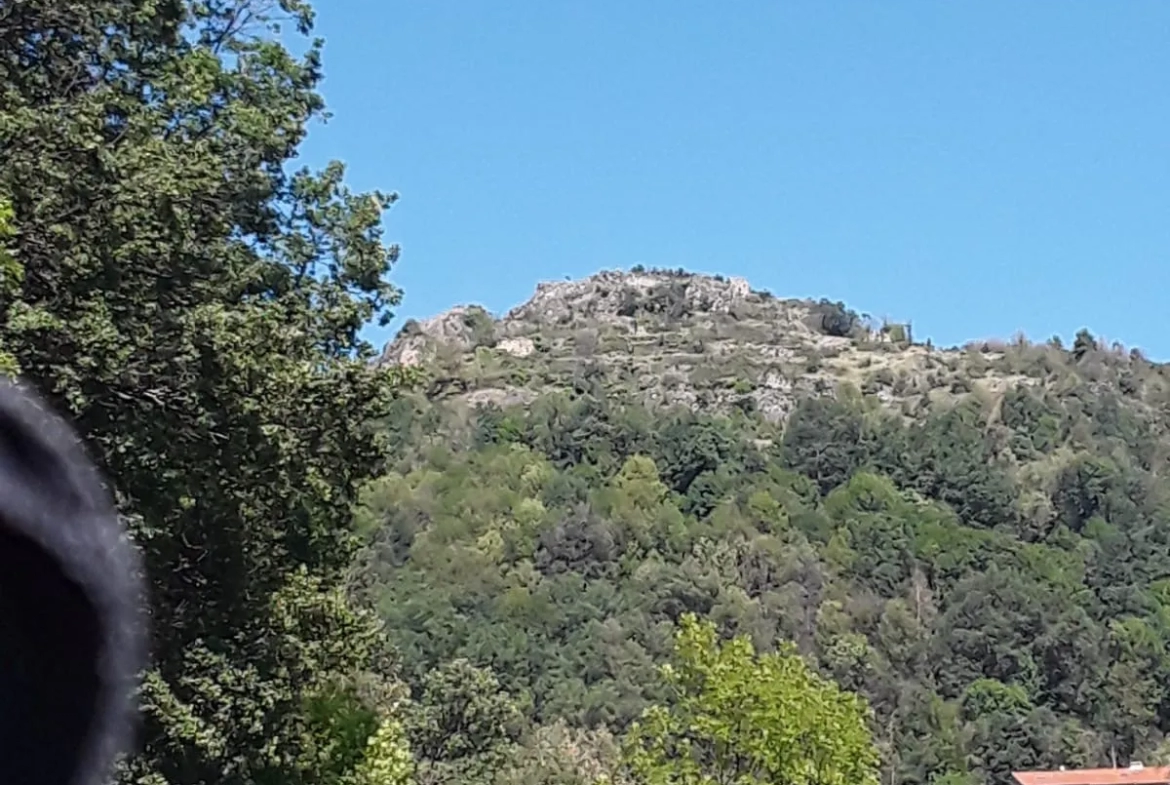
column 1147, row 775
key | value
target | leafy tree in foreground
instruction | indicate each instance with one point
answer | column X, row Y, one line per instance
column 749, row 719
column 195, row 308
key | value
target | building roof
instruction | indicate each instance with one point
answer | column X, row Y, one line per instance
column 1134, row 775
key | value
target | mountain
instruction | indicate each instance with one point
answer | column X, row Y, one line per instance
column 976, row 540
column 675, row 338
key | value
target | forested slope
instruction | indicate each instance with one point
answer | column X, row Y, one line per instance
column 648, row 527
column 979, row 547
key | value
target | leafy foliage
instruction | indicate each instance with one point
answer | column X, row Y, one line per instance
column 990, row 583
column 195, row 308
column 462, row 728
column 749, row 720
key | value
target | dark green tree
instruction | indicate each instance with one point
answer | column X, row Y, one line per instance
column 195, row 307
column 823, row 441
column 464, row 726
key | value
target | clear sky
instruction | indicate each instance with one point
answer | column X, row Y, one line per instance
column 977, row 168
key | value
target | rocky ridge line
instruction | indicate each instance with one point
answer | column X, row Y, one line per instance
column 701, row 341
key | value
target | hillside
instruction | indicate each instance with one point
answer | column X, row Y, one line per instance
column 648, row 528
column 673, row 338
column 976, row 540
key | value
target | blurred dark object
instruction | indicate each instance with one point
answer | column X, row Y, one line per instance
column 71, row 636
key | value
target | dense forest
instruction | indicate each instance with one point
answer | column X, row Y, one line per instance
column 991, row 577
column 862, row 564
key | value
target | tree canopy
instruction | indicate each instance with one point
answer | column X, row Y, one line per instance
column 194, row 305
column 990, row 586
column 747, row 720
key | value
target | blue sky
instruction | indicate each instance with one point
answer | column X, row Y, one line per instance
column 977, row 168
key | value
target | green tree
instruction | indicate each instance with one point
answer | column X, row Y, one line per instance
column 195, row 307
column 1007, row 732
column 387, row 759
column 823, row 441
column 559, row 754
column 463, row 727
column 11, row 275
column 951, row 459
column 749, row 719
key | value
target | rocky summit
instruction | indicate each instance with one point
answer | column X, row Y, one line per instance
column 715, row 343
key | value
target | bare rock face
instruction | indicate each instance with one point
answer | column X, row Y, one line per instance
column 606, row 298
column 611, row 295
column 455, row 329
column 517, row 347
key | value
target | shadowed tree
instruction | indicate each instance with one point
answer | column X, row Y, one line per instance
column 195, row 308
